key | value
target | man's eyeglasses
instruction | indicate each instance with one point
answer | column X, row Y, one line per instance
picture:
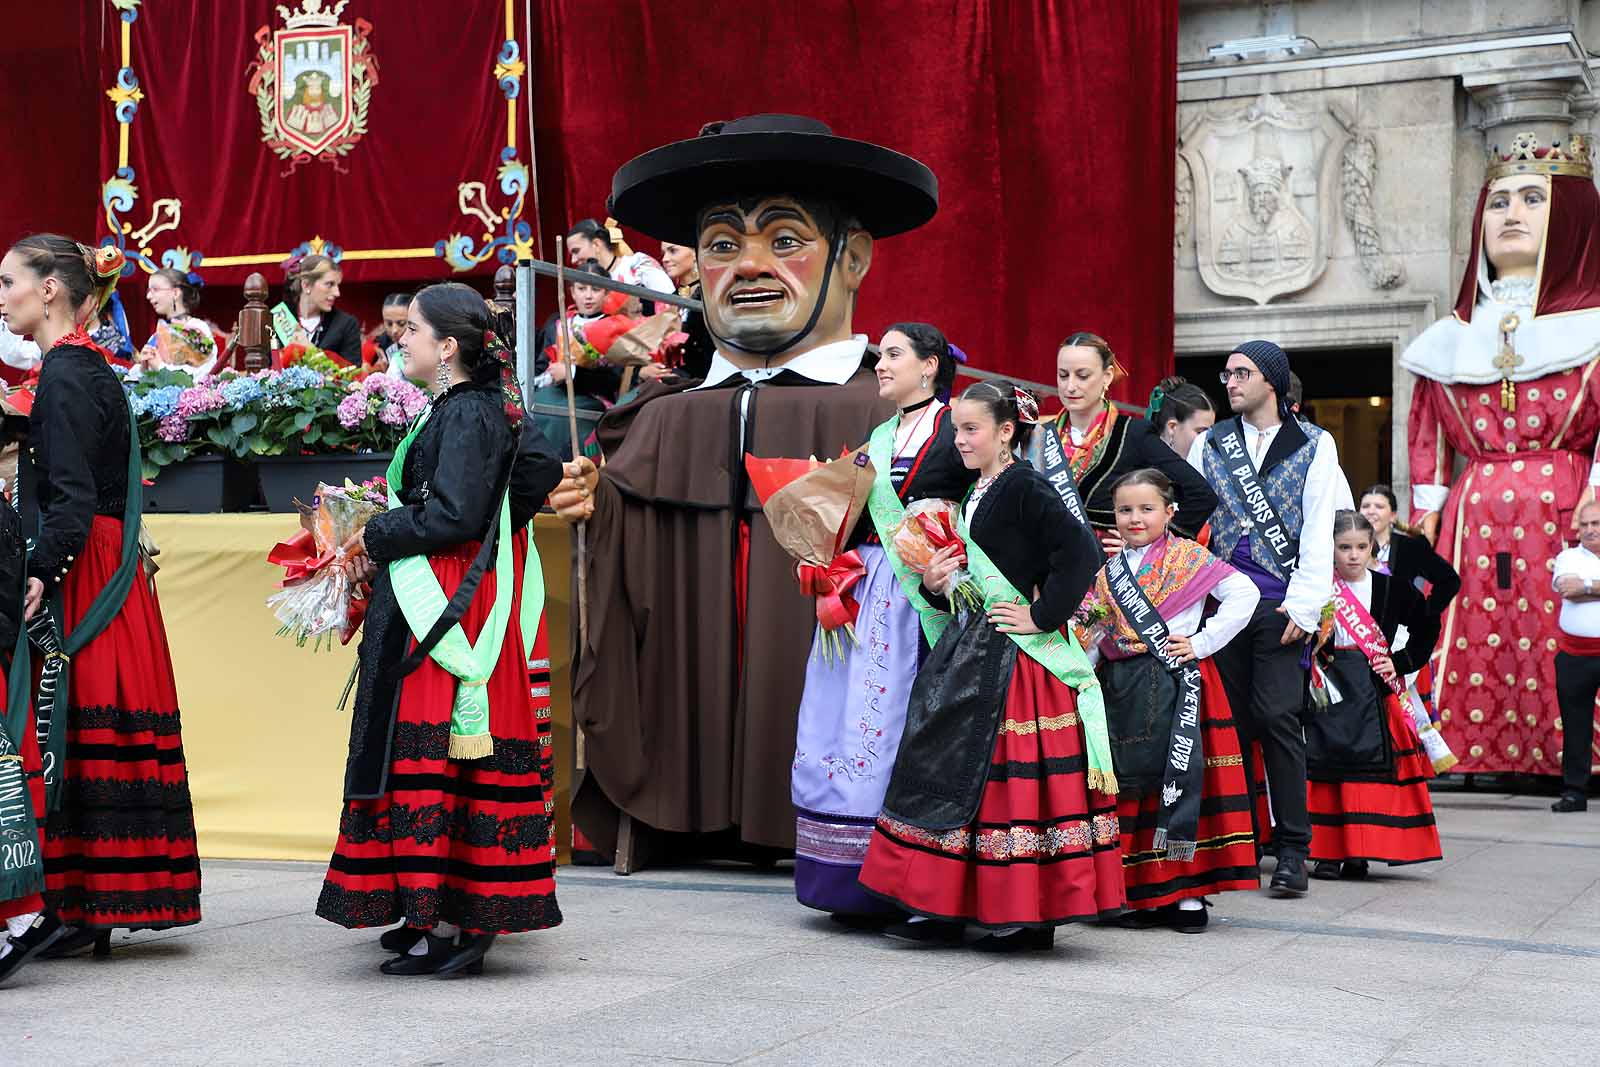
column 1236, row 374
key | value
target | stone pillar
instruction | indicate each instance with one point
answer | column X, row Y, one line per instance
column 1541, row 104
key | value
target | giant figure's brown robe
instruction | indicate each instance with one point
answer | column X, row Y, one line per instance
column 677, row 736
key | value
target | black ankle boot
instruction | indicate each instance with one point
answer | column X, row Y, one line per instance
column 468, row 956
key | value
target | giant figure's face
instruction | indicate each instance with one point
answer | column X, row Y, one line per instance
column 1514, row 219
column 762, row 262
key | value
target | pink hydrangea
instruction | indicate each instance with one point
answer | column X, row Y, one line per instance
column 352, row 410
column 199, row 399
column 376, row 384
column 392, row 415
column 173, row 428
column 409, row 397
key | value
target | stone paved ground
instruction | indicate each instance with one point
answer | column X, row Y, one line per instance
column 1491, row 957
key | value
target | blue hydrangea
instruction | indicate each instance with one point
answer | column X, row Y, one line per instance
column 159, row 403
column 296, row 378
column 240, row 392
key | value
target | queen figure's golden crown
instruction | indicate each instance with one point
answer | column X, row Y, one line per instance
column 1529, row 156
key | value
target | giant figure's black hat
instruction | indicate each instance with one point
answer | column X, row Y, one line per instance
column 662, row 192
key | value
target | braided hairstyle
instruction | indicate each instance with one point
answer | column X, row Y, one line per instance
column 85, row 272
column 457, row 311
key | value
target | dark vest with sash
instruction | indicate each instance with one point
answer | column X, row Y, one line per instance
column 1267, row 504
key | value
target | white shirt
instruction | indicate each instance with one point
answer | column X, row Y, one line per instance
column 640, row 269
column 830, row 364
column 1326, row 491
column 1579, row 618
column 1236, row 595
column 17, row 352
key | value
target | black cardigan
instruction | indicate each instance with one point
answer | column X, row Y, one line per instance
column 339, row 332
column 1133, row 444
column 1411, row 558
column 1397, row 603
column 78, row 451
column 1026, row 531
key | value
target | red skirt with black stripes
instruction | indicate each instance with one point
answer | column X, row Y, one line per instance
column 1044, row 848
column 1387, row 822
column 467, row 842
column 1225, row 851
column 119, row 851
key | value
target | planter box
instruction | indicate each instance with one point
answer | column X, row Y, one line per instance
column 201, row 485
column 283, row 478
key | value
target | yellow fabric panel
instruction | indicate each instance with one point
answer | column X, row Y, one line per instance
column 264, row 742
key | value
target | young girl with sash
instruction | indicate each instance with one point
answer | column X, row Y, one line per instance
column 1183, row 802
column 1001, row 811
column 854, row 709
column 119, row 843
column 446, row 824
column 1368, row 772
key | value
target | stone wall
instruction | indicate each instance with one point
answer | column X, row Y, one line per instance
column 1325, row 196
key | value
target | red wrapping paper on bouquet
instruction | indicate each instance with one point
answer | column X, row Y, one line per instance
column 928, row 527
column 315, row 598
column 812, row 507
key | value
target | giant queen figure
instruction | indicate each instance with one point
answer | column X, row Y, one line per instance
column 689, row 689
column 1508, row 384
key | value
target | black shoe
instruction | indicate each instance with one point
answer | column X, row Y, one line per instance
column 1571, row 802
column 1355, row 870
column 1191, row 922
column 1289, row 880
column 400, row 939
column 1028, row 939
column 871, row 923
column 45, row 931
column 468, row 957
column 440, row 949
column 76, row 942
column 926, row 932
column 1146, row 918
column 1326, row 870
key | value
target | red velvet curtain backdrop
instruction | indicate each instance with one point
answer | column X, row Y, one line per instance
column 1050, row 124
column 436, row 113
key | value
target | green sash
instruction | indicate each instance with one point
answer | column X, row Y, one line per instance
column 887, row 511
column 1061, row 656
column 21, row 865
column 422, row 601
column 49, row 702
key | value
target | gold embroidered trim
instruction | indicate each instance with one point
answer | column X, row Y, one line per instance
column 1225, row 761
column 1033, row 726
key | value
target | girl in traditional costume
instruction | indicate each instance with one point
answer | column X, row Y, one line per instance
column 594, row 386
column 1101, row 444
column 446, row 824
column 182, row 339
column 119, row 843
column 1368, row 789
column 853, row 708
column 1001, row 811
column 1183, row 801
column 311, row 288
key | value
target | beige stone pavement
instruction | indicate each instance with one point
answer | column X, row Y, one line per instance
column 1490, row 957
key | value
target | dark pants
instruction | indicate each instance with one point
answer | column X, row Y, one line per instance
column 1577, row 682
column 1267, row 690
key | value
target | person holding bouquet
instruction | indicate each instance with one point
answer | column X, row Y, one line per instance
column 853, row 707
column 1184, row 800
column 1001, row 810
column 445, row 827
column 182, row 339
column 119, row 842
column 1367, row 768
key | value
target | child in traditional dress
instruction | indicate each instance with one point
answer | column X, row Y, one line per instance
column 1368, row 792
column 1001, row 809
column 1183, row 798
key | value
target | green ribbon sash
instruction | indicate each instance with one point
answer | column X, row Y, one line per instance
column 423, row 601
column 21, row 864
column 1061, row 655
column 887, row 511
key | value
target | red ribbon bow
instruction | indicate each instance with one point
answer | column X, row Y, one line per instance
column 831, row 586
column 296, row 558
column 940, row 530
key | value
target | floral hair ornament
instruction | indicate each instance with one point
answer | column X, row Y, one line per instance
column 194, row 279
column 494, row 348
column 291, row 266
column 105, row 267
column 1027, row 406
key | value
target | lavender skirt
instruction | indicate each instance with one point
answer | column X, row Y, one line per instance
column 851, row 718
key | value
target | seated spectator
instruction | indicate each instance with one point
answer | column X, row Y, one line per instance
column 381, row 349
column 312, row 289
column 594, row 386
column 604, row 244
column 182, row 340
column 695, row 355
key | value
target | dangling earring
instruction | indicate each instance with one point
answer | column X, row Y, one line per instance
column 443, row 376
column 922, row 383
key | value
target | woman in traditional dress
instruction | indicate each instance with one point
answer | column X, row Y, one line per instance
column 446, row 825
column 119, row 846
column 1102, row 444
column 1173, row 853
column 1001, row 811
column 853, row 709
column 589, row 239
column 311, row 289
column 188, row 343
column 1180, row 411
column 1368, row 789
column 684, row 270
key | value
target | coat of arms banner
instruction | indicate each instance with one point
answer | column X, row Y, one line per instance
column 394, row 135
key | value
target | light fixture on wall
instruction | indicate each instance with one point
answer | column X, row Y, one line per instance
column 1375, row 401
column 1245, row 47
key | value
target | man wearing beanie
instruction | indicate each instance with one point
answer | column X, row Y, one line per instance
column 1278, row 483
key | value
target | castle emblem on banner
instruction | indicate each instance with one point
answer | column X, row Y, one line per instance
column 312, row 80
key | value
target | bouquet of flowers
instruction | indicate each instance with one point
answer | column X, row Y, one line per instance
column 183, row 346
column 812, row 507
column 928, row 526
column 1324, row 693
column 315, row 600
